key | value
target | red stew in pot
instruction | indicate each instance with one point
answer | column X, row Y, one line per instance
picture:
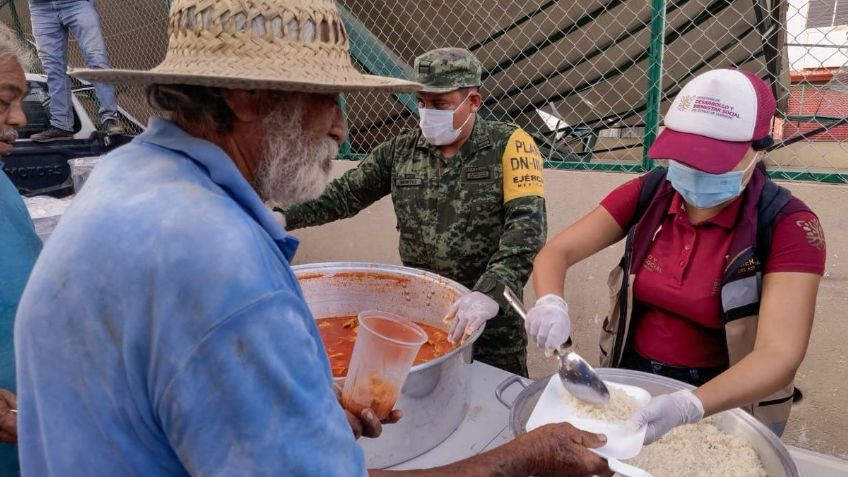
column 339, row 334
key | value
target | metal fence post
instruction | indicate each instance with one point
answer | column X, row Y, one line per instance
column 655, row 70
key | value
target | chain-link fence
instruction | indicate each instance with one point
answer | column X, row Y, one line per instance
column 590, row 80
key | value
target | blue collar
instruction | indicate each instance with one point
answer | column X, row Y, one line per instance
column 222, row 171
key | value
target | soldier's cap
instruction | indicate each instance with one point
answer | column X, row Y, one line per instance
column 447, row 69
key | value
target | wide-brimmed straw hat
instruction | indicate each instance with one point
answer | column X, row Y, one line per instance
column 288, row 45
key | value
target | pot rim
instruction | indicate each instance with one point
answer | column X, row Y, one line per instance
column 346, row 267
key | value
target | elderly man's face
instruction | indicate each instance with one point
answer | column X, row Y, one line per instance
column 13, row 86
column 302, row 136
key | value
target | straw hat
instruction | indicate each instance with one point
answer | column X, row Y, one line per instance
column 289, row 45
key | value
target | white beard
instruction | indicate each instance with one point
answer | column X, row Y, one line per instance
column 296, row 167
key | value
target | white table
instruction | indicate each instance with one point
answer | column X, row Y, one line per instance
column 487, row 425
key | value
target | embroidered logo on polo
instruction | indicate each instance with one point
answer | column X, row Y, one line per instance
column 716, row 287
column 814, row 231
column 477, row 173
column 409, row 180
column 651, row 263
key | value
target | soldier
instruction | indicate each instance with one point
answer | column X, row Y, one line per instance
column 468, row 197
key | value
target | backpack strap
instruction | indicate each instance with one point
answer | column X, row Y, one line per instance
column 772, row 201
column 650, row 185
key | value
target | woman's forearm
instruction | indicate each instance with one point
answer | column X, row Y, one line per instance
column 549, row 272
column 786, row 316
column 754, row 377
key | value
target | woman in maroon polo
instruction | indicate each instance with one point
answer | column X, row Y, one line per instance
column 717, row 286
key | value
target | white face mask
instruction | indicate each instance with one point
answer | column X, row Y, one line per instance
column 437, row 125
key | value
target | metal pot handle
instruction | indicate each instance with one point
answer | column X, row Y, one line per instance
column 505, row 385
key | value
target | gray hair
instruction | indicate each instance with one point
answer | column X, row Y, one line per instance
column 201, row 105
column 11, row 46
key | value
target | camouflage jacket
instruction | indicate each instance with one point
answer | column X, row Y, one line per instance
column 478, row 217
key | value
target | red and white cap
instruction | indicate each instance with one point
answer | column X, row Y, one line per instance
column 714, row 119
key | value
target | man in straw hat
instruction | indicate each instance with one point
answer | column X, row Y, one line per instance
column 162, row 332
column 469, row 202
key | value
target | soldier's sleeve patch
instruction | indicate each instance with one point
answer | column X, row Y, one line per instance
column 522, row 167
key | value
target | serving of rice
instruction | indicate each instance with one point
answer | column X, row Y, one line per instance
column 620, row 407
column 699, row 450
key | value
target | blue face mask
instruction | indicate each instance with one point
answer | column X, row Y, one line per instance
column 705, row 190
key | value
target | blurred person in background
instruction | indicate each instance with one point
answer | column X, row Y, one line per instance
column 52, row 23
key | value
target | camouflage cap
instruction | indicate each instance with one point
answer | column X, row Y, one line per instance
column 447, row 69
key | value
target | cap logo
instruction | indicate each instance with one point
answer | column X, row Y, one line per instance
column 685, row 103
column 715, row 107
column 424, row 67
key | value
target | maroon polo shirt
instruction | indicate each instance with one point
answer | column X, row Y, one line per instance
column 677, row 292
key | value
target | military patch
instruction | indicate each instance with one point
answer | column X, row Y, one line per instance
column 477, row 173
column 522, row 167
column 409, row 181
column 484, row 142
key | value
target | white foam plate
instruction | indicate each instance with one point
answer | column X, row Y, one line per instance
column 624, row 440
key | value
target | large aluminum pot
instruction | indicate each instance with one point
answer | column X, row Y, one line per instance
column 773, row 454
column 434, row 398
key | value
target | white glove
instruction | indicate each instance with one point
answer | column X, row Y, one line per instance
column 668, row 411
column 279, row 217
column 468, row 313
column 548, row 322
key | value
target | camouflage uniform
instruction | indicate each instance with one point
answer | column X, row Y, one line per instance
column 463, row 218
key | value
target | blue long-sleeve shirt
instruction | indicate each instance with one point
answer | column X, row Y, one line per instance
column 163, row 333
column 19, row 247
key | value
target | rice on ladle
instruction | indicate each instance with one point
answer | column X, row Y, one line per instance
column 619, row 408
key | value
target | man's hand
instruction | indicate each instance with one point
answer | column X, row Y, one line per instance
column 548, row 322
column 8, row 419
column 562, row 449
column 559, row 450
column 668, row 411
column 279, row 217
column 366, row 423
column 468, row 313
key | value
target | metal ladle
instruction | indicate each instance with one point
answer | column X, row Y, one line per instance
column 576, row 375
